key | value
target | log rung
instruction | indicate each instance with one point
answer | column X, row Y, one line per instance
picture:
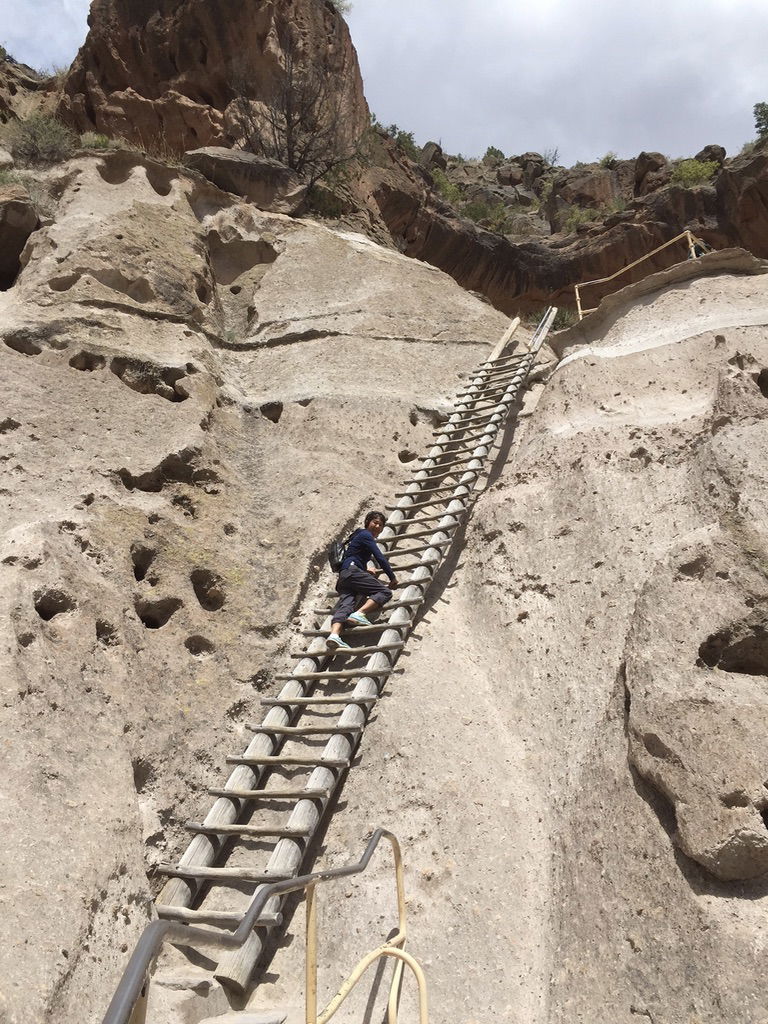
column 351, row 652
column 271, row 794
column 278, row 761
column 424, row 490
column 419, row 547
column 429, row 501
column 428, row 533
column 345, row 673
column 222, row 918
column 200, row 828
column 358, row 630
column 308, row 730
column 390, row 604
column 310, row 701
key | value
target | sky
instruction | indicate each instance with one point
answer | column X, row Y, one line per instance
column 583, row 77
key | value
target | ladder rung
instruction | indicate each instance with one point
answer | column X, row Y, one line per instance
column 216, row 917
column 279, row 760
column 391, row 604
column 342, row 673
column 358, row 630
column 246, row 830
column 426, row 503
column 481, row 409
column 351, row 652
column 309, row 701
column 484, row 392
column 218, row 874
column 427, row 533
column 419, row 520
column 271, row 794
column 458, row 429
column 308, row 730
column 425, row 490
column 391, row 552
column 444, row 466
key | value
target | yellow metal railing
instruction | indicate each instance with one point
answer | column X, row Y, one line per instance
column 391, row 948
column 691, row 241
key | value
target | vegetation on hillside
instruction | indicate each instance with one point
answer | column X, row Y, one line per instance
column 41, row 139
column 693, row 172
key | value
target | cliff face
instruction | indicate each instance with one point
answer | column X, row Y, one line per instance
column 197, row 397
column 165, row 75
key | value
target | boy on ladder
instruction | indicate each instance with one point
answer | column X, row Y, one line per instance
column 355, row 581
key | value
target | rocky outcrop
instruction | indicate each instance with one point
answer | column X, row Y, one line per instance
column 22, row 91
column 168, row 82
column 266, row 183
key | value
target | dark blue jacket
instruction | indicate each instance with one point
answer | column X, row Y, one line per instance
column 362, row 547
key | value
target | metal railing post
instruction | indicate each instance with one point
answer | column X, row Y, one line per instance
column 310, row 996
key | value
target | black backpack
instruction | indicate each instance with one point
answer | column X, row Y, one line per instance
column 336, row 552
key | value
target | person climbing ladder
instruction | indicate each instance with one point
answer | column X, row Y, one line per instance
column 355, row 581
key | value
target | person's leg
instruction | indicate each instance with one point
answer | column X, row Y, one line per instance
column 376, row 593
column 346, row 603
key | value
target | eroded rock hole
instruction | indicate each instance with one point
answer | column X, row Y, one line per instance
column 143, row 774
column 148, row 379
column 272, row 410
column 49, row 603
column 139, row 289
column 142, row 557
column 7, row 425
column 745, row 651
column 155, row 614
column 762, row 382
column 208, row 588
column 199, row 646
column 231, row 260
column 88, row 361
column 64, row 283
column 24, row 345
column 106, row 633
column 406, row 455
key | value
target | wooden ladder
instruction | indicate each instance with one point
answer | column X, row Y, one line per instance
column 271, row 806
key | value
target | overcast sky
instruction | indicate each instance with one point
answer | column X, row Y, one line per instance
column 582, row 76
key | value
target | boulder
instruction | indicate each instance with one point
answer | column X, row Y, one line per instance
column 432, row 156
column 510, row 174
column 18, row 219
column 713, row 153
column 6, row 160
column 266, row 183
column 647, row 165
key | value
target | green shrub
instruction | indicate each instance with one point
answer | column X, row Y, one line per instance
column 342, row 6
column 609, row 161
column 564, row 318
column 551, row 156
column 4, row 55
column 491, row 154
column 42, row 140
column 578, row 216
column 93, row 140
column 7, row 177
column 693, row 172
column 445, row 188
column 404, row 140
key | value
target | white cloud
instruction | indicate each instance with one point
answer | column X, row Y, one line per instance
column 583, row 75
column 586, row 76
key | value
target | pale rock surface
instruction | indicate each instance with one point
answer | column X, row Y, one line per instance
column 574, row 759
column 197, row 397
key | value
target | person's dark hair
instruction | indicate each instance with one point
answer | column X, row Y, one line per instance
column 374, row 515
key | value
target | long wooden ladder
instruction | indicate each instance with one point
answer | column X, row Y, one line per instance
column 280, row 786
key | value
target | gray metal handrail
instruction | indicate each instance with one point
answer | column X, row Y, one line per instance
column 153, row 936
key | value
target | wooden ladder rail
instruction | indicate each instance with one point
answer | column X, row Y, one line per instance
column 262, row 753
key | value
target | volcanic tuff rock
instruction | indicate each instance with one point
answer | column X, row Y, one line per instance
column 197, row 397
column 575, row 759
column 163, row 75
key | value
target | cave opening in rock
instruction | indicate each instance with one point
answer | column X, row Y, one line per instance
column 50, row 603
column 155, row 614
column 208, row 589
column 747, row 655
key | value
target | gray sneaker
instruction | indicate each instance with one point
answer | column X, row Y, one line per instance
column 358, row 619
